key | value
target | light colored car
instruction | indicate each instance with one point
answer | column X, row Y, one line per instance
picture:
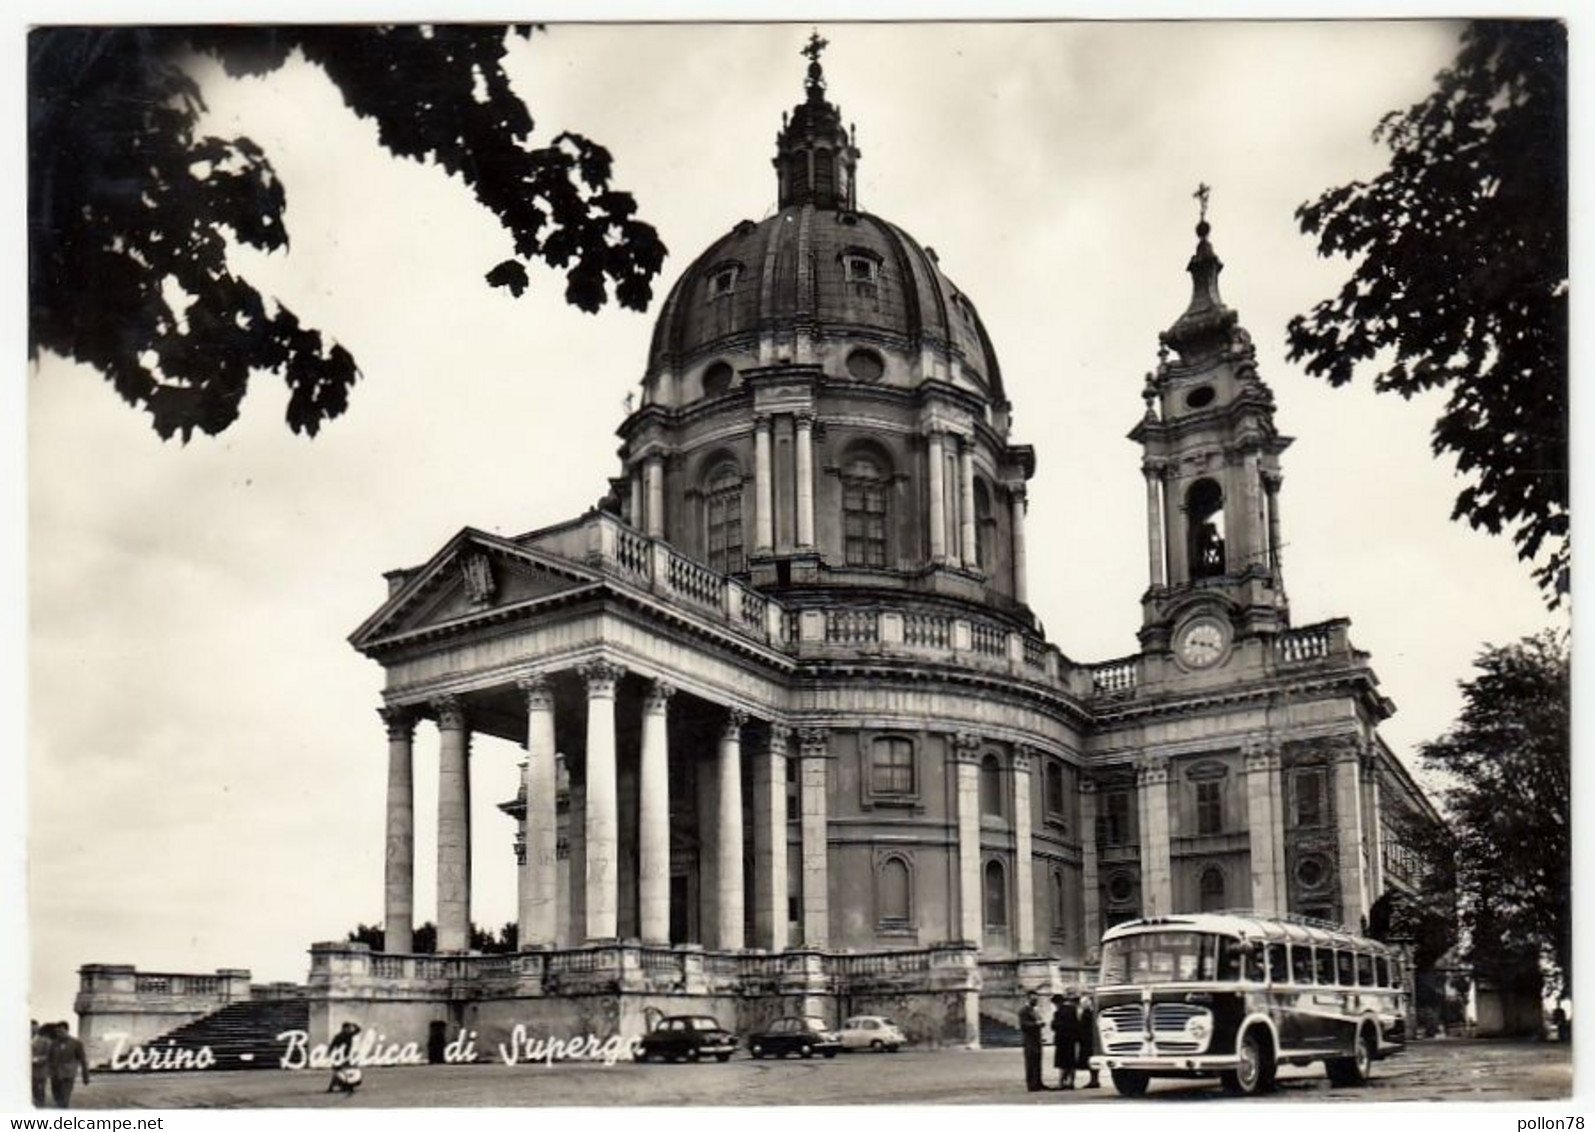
column 871, row 1031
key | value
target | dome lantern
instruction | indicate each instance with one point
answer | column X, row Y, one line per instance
column 816, row 159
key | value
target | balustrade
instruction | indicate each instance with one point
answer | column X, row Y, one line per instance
column 852, row 627
column 927, row 631
column 699, row 583
column 988, row 639
column 1311, row 642
column 1115, row 677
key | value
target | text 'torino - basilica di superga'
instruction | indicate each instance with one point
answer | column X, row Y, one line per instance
column 794, row 742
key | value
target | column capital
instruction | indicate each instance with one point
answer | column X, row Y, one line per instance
column 601, row 677
column 400, row 721
column 1024, row 757
column 1154, row 772
column 735, row 718
column 657, row 699
column 813, row 742
column 450, row 712
column 1154, row 467
column 804, row 418
column 966, row 747
column 1344, row 748
column 538, row 690
column 1272, row 479
column 1087, row 785
column 763, row 421
column 780, row 734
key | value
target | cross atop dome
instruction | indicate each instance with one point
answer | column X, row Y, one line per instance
column 815, row 155
column 813, row 49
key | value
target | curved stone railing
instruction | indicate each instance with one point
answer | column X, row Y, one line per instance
column 1312, row 642
column 1116, row 677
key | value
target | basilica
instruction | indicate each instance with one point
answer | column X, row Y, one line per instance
column 793, row 738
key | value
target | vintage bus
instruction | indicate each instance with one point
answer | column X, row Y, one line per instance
column 1236, row 995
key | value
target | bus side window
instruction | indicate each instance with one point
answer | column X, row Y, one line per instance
column 1365, row 970
column 1344, row 968
column 1301, row 963
column 1278, row 963
column 1325, row 963
column 1382, row 971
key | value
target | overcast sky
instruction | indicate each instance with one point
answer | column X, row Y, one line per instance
column 207, row 771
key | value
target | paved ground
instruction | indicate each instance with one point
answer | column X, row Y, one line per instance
column 1441, row 1070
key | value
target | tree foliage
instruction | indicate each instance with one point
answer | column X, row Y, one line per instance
column 425, row 938
column 1460, row 279
column 1508, row 759
column 131, row 209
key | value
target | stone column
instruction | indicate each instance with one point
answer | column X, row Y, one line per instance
column 1373, row 832
column 1256, row 530
column 1023, row 880
column 639, row 496
column 653, row 818
column 763, row 488
column 805, row 481
column 454, row 826
column 769, row 842
column 1090, row 887
column 814, row 751
column 654, row 469
column 730, row 905
column 1348, row 825
column 1016, row 497
column 966, row 502
column 936, row 462
column 966, row 766
column 398, row 890
column 1262, row 826
column 1156, row 880
column 539, row 911
column 1154, row 522
column 602, row 820
column 1271, row 483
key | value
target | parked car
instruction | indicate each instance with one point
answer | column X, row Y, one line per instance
column 802, row 1036
column 687, row 1037
column 871, row 1031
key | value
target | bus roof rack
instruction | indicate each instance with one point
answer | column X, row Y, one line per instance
column 1288, row 918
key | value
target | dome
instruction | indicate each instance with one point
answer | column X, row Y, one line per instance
column 818, row 282
column 870, row 299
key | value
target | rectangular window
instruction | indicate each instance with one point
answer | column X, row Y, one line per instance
column 864, row 523
column 1382, row 972
column 725, row 531
column 1301, row 964
column 1209, row 808
column 1113, row 823
column 1324, row 960
column 1279, row 962
column 1365, row 971
column 1054, row 790
column 892, row 767
column 1345, row 968
column 1310, row 808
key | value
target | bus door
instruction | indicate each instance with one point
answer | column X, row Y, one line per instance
column 1285, row 966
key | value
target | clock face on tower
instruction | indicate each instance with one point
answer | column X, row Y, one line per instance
column 1202, row 643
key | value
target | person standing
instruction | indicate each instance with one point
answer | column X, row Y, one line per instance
column 39, row 1051
column 1087, row 1029
column 1030, row 1032
column 340, row 1051
column 67, row 1059
column 1065, row 1038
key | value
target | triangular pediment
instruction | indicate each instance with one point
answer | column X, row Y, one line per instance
column 474, row 574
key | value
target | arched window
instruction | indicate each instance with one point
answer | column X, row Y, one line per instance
column 985, row 527
column 1212, row 889
column 996, row 895
column 894, row 893
column 991, row 786
column 1204, row 517
column 723, row 517
column 864, row 487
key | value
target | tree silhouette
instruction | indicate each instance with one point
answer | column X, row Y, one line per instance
column 1508, row 759
column 130, row 211
column 1461, row 279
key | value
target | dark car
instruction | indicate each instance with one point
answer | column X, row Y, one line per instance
column 687, row 1037
column 802, row 1036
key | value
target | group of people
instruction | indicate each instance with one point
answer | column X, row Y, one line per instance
column 57, row 1058
column 1073, row 1039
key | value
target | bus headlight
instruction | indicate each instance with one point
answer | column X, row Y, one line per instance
column 1198, row 1028
column 1106, row 1026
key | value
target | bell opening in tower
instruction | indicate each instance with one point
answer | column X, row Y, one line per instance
column 1204, row 508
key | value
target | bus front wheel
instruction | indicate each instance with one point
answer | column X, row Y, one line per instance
column 1130, row 1082
column 1356, row 1069
column 1255, row 1073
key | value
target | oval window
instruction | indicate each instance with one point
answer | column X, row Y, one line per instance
column 716, row 379
column 1310, row 873
column 1120, row 888
column 865, row 365
column 1200, row 397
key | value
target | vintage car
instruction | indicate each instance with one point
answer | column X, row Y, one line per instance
column 802, row 1036
column 687, row 1037
column 871, row 1031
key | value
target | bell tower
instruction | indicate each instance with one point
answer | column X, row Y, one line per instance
column 816, row 159
column 1211, row 461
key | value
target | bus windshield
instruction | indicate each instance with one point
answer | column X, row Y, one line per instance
column 1168, row 957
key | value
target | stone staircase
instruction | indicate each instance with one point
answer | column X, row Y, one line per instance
column 242, row 1035
column 995, row 1033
